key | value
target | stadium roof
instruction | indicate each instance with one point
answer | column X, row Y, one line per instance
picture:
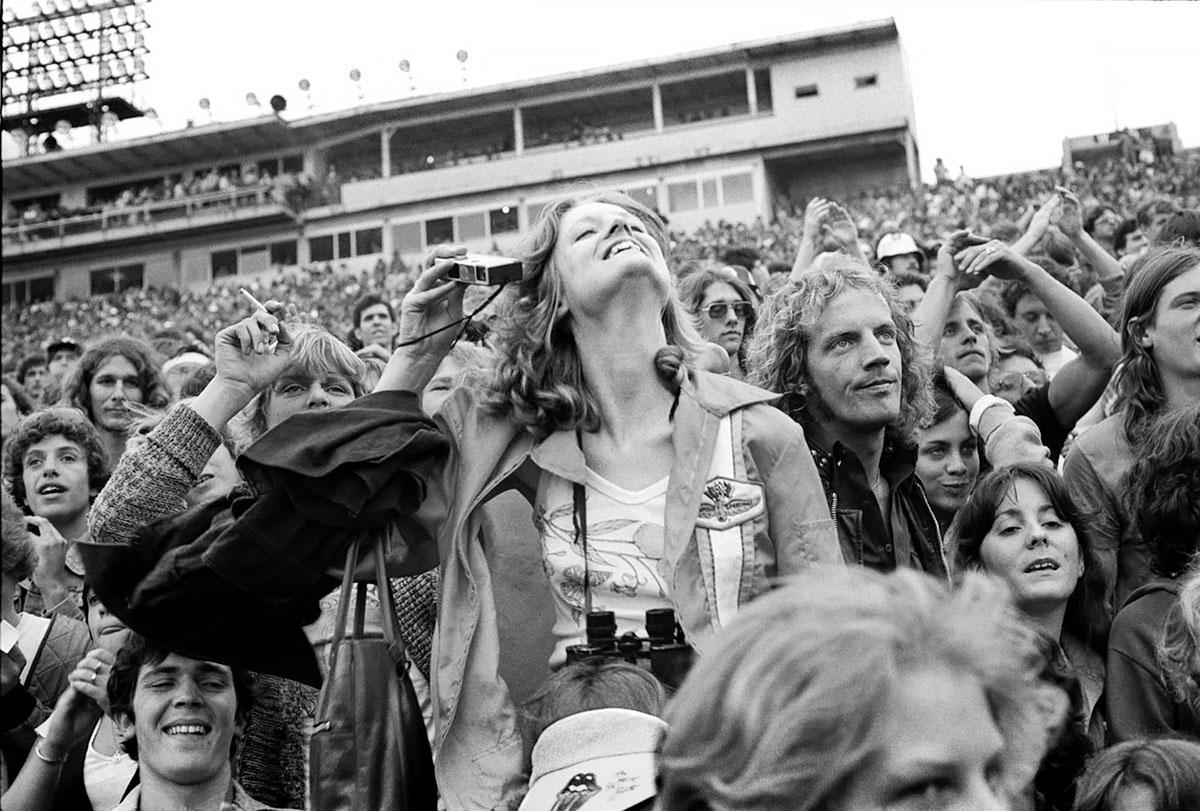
column 223, row 142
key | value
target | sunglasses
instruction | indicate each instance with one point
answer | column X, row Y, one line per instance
column 1011, row 380
column 718, row 309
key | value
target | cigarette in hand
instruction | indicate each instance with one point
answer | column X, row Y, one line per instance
column 252, row 299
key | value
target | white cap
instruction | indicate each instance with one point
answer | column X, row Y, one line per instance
column 194, row 359
column 598, row 760
column 895, row 244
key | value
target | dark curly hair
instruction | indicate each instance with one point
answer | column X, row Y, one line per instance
column 1139, row 387
column 77, row 388
column 1163, row 490
column 360, row 306
column 57, row 421
column 137, row 652
column 1085, row 616
column 779, row 349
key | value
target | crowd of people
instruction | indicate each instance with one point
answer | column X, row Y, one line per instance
column 894, row 503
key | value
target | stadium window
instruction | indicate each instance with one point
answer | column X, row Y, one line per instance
column 737, row 188
column 646, row 195
column 439, row 231
column 708, row 193
column 27, row 291
column 320, row 249
column 406, row 237
column 683, row 196
column 284, row 253
column 762, row 89
column 114, row 280
column 503, row 220
column 343, row 245
column 224, row 263
column 866, row 81
column 293, row 163
column 368, row 241
column 268, row 167
column 804, row 91
column 470, row 227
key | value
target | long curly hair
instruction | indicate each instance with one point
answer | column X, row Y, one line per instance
column 1140, row 393
column 1085, row 615
column 538, row 379
column 693, row 287
column 779, row 348
column 146, row 362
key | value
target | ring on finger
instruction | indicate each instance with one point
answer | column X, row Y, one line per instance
column 93, row 677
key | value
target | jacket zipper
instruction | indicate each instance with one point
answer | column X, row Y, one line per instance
column 937, row 531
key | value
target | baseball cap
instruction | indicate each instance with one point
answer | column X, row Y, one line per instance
column 60, row 344
column 597, row 760
column 895, row 244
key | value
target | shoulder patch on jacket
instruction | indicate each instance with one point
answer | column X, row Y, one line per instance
column 726, row 502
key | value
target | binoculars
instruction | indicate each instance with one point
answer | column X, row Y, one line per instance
column 664, row 647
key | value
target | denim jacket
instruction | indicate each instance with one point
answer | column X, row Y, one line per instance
column 477, row 747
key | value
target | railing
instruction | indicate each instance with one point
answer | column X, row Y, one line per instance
column 142, row 214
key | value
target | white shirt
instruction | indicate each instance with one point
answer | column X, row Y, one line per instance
column 624, row 544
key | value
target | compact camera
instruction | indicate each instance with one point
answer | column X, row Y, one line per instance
column 666, row 650
column 477, row 268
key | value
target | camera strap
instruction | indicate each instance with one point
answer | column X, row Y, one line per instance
column 579, row 519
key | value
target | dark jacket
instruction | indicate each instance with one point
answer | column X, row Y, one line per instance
column 908, row 537
column 1139, row 704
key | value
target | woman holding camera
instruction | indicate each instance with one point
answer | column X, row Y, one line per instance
column 653, row 484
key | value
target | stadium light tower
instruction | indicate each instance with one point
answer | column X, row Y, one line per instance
column 71, row 49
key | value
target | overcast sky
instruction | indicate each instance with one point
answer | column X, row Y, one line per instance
column 997, row 84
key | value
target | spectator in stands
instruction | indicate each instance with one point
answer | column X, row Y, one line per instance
column 1163, row 775
column 947, row 454
column 36, row 669
column 182, row 719
column 1021, row 526
column 899, row 252
column 96, row 773
column 1102, row 224
column 375, row 328
column 34, row 376
column 835, row 344
column 1164, row 498
column 1160, row 373
column 178, row 369
column 1016, row 372
column 594, row 357
column 113, row 373
column 951, row 319
column 1035, row 324
column 62, row 358
column 1153, row 215
column 1179, row 651
column 850, row 689
column 910, row 289
column 721, row 304
column 14, row 405
column 55, row 465
column 1182, row 230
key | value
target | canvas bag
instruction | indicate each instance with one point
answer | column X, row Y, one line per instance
column 369, row 750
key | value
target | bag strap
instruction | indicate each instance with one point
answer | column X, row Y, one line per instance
column 339, row 627
column 391, row 624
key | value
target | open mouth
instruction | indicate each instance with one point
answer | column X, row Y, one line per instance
column 621, row 247
column 187, row 729
column 51, row 490
column 1042, row 565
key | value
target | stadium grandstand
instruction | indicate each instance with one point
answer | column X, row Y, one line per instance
column 719, row 134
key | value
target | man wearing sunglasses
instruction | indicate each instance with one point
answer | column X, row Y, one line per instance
column 950, row 321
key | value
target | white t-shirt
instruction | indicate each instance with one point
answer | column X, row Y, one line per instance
column 625, row 545
column 1055, row 361
column 105, row 777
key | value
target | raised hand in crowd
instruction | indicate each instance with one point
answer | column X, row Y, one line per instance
column 427, row 318
column 1045, row 216
column 48, row 575
column 74, row 717
column 827, row 227
column 249, row 356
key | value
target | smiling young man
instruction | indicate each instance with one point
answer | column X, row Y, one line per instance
column 183, row 720
column 56, row 465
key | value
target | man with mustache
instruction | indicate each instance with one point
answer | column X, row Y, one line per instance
column 114, row 373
